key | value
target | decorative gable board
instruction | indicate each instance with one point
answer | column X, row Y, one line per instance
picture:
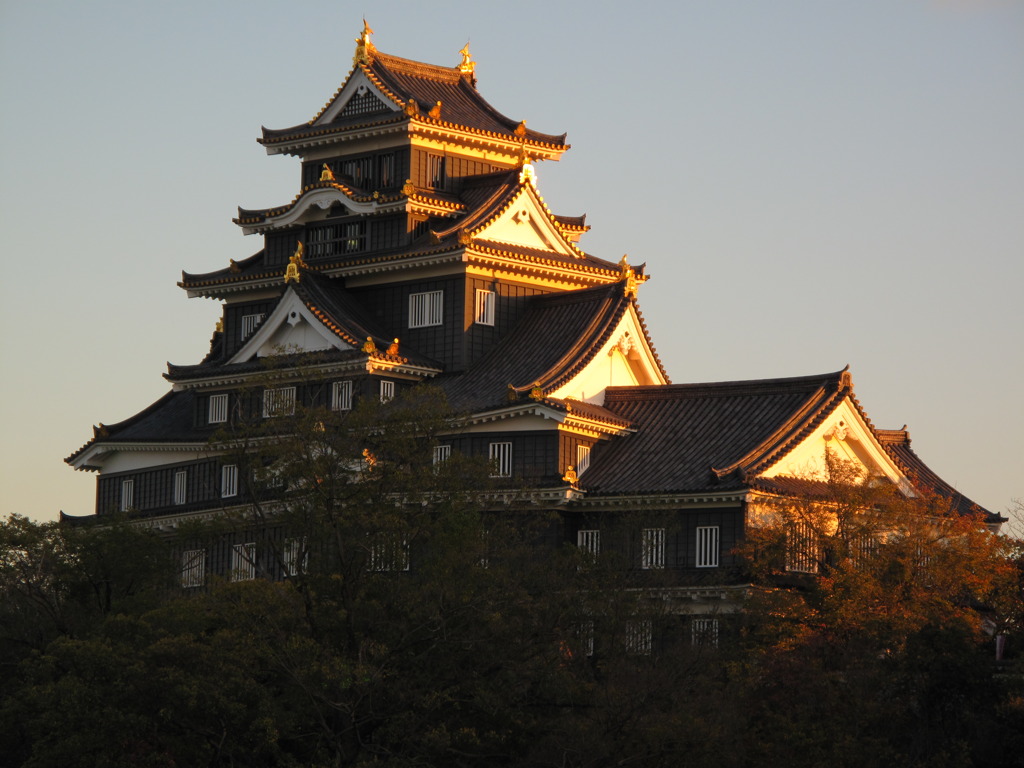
column 358, row 96
column 846, row 434
column 525, row 222
column 291, row 327
column 624, row 360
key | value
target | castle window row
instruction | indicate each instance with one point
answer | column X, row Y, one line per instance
column 658, row 548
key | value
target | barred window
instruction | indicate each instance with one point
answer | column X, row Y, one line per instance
column 652, row 553
column 582, row 459
column 294, row 556
column 278, row 402
column 218, row 409
column 803, row 549
column 250, row 323
column 707, row 546
column 243, row 561
column 639, row 637
column 193, row 568
column 388, row 552
column 484, row 307
column 435, row 171
column 341, row 396
column 500, row 455
column 426, row 309
column 127, row 494
column 387, row 391
column 386, row 169
column 704, row 632
column 442, row 453
column 228, row 481
column 589, row 541
column 181, row 486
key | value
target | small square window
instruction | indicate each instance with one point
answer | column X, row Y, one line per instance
column 426, row 309
column 193, row 568
column 243, row 561
column 387, row 391
column 341, row 396
column 228, row 481
column 250, row 323
column 500, row 455
column 218, row 410
column 278, row 402
column 484, row 307
column 652, row 543
column 180, row 486
column 707, row 546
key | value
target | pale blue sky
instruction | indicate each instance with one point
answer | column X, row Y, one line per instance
column 811, row 184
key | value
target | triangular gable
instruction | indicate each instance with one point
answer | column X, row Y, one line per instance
column 291, row 327
column 625, row 359
column 358, row 96
column 848, row 437
column 526, row 221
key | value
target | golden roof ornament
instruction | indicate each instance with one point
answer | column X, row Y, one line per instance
column 520, row 129
column 464, row 237
column 219, row 328
column 435, row 111
column 294, row 263
column 327, row 174
column 369, row 460
column 364, row 48
column 467, row 65
column 368, row 346
column 233, row 267
column 393, row 348
column 570, row 476
column 511, row 394
column 536, row 393
column 628, row 278
column 408, row 188
column 412, row 107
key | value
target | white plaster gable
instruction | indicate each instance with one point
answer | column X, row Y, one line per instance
column 526, row 222
column 315, row 201
column 849, row 438
column 291, row 327
column 625, row 360
column 358, row 84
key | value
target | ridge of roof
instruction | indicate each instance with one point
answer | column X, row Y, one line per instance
column 721, row 388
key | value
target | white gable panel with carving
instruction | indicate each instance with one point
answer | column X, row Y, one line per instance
column 526, row 222
column 357, row 96
column 291, row 327
column 625, row 359
column 849, row 438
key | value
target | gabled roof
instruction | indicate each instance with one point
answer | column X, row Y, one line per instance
column 554, row 340
column 411, row 90
column 706, row 437
column 897, row 443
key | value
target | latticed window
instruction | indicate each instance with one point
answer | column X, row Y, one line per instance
column 359, row 170
column 180, row 486
column 341, row 396
column 218, row 409
column 387, row 391
column 127, row 494
column 582, row 459
column 426, row 309
column 278, row 402
column 500, row 456
column 364, row 102
column 250, row 323
column 707, row 546
column 639, row 637
column 484, row 307
column 435, row 171
column 589, row 540
column 704, row 632
column 652, row 548
column 442, row 453
column 243, row 561
column 386, row 170
column 228, row 481
column 388, row 552
column 803, row 548
column 336, row 239
column 193, row 568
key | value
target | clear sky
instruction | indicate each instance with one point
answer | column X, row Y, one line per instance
column 810, row 184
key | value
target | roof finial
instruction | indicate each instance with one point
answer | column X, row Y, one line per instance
column 468, row 65
column 628, row 278
column 364, row 48
column 327, row 174
column 294, row 262
column 526, row 172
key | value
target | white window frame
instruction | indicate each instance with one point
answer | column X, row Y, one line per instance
column 708, row 544
column 441, row 454
column 250, row 323
column 426, row 309
column 278, row 402
column 652, row 548
column 127, row 494
column 243, row 561
column 294, row 556
column 228, row 481
column 388, row 553
column 500, row 456
column 387, row 391
column 193, row 568
column 217, row 413
column 341, row 396
column 485, row 301
column 181, row 486
column 589, row 540
column 582, row 459
column 704, row 631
